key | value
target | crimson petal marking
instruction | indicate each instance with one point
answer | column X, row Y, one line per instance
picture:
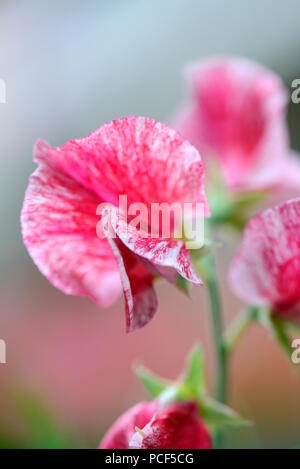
column 59, row 229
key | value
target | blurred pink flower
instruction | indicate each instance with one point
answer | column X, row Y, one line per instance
column 134, row 156
column 266, row 268
column 236, row 114
column 177, row 426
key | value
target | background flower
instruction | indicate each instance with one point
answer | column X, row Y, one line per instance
column 266, row 268
column 236, row 114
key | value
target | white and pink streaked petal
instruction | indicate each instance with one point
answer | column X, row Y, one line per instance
column 166, row 255
column 137, row 156
column 140, row 298
column 59, row 230
column 266, row 268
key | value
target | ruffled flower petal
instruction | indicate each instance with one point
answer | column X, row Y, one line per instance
column 140, row 297
column 141, row 258
column 59, row 230
column 266, row 268
column 236, row 115
column 164, row 254
column 136, row 157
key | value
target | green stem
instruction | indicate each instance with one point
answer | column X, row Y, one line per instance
column 215, row 304
column 221, row 359
column 237, row 328
column 223, row 344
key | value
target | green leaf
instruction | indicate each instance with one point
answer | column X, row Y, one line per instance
column 218, row 415
column 154, row 384
column 195, row 376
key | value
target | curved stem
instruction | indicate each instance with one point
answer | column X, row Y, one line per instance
column 237, row 328
column 209, row 272
column 221, row 358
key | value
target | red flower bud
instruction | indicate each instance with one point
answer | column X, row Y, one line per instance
column 146, row 426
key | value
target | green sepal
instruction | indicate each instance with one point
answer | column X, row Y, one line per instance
column 191, row 386
column 277, row 327
column 228, row 207
column 194, row 379
column 217, row 415
column 153, row 383
column 279, row 331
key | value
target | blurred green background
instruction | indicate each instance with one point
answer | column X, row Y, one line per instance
column 69, row 66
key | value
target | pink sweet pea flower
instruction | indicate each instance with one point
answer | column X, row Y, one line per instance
column 177, row 426
column 266, row 268
column 236, row 115
column 135, row 156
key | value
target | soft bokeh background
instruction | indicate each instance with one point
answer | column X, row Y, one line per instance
column 69, row 66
